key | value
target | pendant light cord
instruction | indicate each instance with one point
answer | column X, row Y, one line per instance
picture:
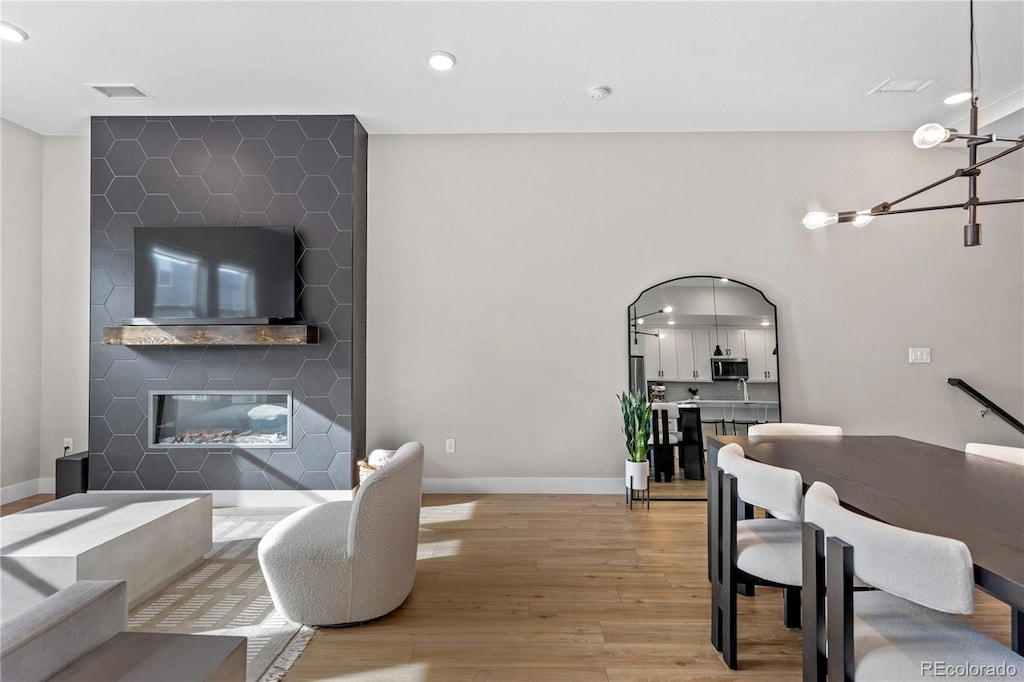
column 714, row 299
column 974, row 54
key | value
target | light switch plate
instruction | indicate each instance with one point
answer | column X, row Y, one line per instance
column 920, row 355
column 449, row 445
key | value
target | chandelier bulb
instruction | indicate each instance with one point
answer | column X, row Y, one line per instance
column 816, row 219
column 932, row 135
column 862, row 218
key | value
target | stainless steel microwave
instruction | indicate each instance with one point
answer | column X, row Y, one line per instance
column 729, row 369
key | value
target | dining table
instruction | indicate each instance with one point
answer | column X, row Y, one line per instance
column 919, row 486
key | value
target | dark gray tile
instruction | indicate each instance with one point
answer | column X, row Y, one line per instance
column 219, row 471
column 190, row 157
column 155, row 362
column 99, row 434
column 341, row 321
column 286, row 138
column 317, row 304
column 252, row 352
column 220, row 362
column 285, row 175
column 315, row 415
column 120, row 304
column 102, row 249
column 100, row 360
column 253, row 193
column 341, row 396
column 155, row 472
column 188, row 375
column 316, row 378
column 157, row 176
column 190, row 126
column 340, row 471
column 253, row 157
column 254, row 459
column 283, row 471
column 100, row 138
column 251, row 375
column 252, row 219
column 123, row 480
column 100, row 212
column 193, row 353
column 253, row 480
column 100, row 176
column 125, row 157
column 254, row 126
column 285, row 209
column 316, row 480
column 187, row 481
column 341, row 211
column 98, row 318
column 317, row 157
column 341, row 175
column 318, row 126
column 186, row 459
column 222, row 138
column 99, row 471
column 342, row 138
column 158, row 139
column 99, row 396
column 317, row 230
column 123, row 416
column 99, row 287
column 341, row 249
column 124, row 453
column 317, row 193
column 125, row 194
column 341, row 285
column 222, row 209
column 340, row 433
column 121, row 229
column 283, row 362
column 126, row 127
column 124, row 379
column 121, row 269
column 149, row 385
column 190, row 194
column 220, row 385
column 157, row 210
column 298, row 395
column 315, row 453
column 341, row 358
column 189, row 220
column 222, row 175
column 316, row 267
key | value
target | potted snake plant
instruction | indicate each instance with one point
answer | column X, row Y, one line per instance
column 636, row 425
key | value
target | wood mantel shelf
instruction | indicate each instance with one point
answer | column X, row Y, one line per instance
column 210, row 335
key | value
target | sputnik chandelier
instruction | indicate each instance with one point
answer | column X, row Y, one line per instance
column 928, row 136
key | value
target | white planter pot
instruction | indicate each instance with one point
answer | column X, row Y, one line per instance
column 639, row 471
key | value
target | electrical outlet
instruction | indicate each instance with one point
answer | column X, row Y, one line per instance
column 920, row 355
column 69, row 444
column 449, row 445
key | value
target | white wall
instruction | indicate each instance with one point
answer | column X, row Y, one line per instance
column 21, row 179
column 500, row 268
column 65, row 293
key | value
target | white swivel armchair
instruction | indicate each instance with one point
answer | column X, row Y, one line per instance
column 794, row 429
column 340, row 563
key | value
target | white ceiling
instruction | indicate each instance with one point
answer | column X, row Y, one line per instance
column 522, row 66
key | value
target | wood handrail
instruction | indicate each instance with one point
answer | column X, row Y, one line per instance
column 981, row 398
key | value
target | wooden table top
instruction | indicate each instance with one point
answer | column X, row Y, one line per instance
column 919, row 486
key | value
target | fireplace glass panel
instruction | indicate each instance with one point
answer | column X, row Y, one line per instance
column 204, row 419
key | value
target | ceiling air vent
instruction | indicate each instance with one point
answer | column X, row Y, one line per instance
column 119, row 91
column 894, row 87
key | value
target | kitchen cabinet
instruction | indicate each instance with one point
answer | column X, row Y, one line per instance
column 732, row 342
column 693, row 348
column 762, row 363
column 660, row 361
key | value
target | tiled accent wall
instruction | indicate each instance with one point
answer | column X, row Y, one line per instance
column 302, row 171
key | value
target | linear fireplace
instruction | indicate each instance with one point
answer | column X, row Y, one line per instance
column 205, row 419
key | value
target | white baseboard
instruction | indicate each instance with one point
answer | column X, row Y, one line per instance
column 19, row 491
column 525, row 486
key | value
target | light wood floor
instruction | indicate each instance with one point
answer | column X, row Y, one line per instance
column 562, row 588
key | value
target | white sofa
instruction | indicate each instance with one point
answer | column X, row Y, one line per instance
column 340, row 563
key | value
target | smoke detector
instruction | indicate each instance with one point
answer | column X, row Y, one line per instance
column 599, row 92
column 119, row 90
column 895, row 87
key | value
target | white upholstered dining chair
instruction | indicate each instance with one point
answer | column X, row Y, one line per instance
column 793, row 429
column 1003, row 453
column 752, row 551
column 907, row 623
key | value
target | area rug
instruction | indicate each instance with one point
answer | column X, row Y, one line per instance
column 226, row 595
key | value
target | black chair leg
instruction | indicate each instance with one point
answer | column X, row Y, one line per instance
column 791, row 607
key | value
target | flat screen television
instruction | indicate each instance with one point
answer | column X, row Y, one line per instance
column 209, row 275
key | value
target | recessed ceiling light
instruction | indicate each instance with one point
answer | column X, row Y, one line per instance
column 765, row 323
column 724, row 279
column 441, row 61
column 12, row 33
column 957, row 98
column 671, row 321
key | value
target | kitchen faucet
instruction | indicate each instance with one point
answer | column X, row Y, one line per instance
column 743, row 384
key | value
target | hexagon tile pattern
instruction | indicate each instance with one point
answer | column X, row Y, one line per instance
column 159, row 171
